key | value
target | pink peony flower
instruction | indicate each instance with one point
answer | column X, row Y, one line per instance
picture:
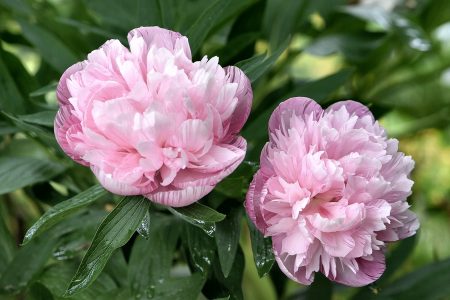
column 148, row 120
column 331, row 192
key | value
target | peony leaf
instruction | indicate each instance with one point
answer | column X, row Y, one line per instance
column 256, row 66
column 227, row 239
column 151, row 259
column 44, row 90
column 144, row 228
column 178, row 288
column 114, row 232
column 31, row 258
column 200, row 29
column 10, row 98
column 232, row 283
column 202, row 248
column 19, row 172
column 262, row 250
column 52, row 49
column 56, row 276
column 199, row 215
column 28, row 261
column 7, row 245
column 429, row 282
column 43, row 118
column 321, row 288
column 64, row 209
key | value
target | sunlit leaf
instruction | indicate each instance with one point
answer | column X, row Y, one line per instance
column 53, row 50
column 256, row 66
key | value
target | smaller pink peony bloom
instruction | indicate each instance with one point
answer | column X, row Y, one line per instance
column 149, row 121
column 331, row 192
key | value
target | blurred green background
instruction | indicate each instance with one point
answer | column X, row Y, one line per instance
column 392, row 55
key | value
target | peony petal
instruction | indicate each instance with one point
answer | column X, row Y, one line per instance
column 119, row 187
column 287, row 264
column 227, row 159
column 254, row 199
column 299, row 106
column 174, row 197
column 62, row 92
column 352, row 107
column 162, row 38
column 370, row 269
column 65, row 123
column 244, row 94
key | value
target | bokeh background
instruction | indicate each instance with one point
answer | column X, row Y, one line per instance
column 392, row 55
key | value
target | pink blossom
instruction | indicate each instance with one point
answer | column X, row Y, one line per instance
column 331, row 192
column 150, row 121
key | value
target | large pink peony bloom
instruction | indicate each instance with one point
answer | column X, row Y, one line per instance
column 147, row 120
column 331, row 192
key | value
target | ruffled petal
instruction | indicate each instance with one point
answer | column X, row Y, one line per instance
column 162, row 38
column 244, row 94
column 174, row 197
column 254, row 200
column 300, row 106
column 119, row 187
column 370, row 269
column 62, row 92
column 222, row 161
column 66, row 123
column 352, row 107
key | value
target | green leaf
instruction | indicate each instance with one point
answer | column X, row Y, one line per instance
column 39, row 132
column 256, row 66
column 227, row 239
column 198, row 31
column 280, row 19
column 28, row 261
column 144, row 228
column 199, row 215
column 56, row 276
column 44, row 90
column 429, row 282
column 62, row 210
column 117, row 268
column 151, row 259
column 398, row 256
column 262, row 250
column 10, row 98
column 18, row 172
column 38, row 291
column 233, row 283
column 178, row 288
column 7, row 245
column 321, row 288
column 44, row 118
column 202, row 248
column 19, row 6
column 114, row 232
column 5, row 129
column 166, row 11
column 235, row 45
column 53, row 50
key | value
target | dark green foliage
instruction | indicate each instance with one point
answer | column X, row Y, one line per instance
column 85, row 244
